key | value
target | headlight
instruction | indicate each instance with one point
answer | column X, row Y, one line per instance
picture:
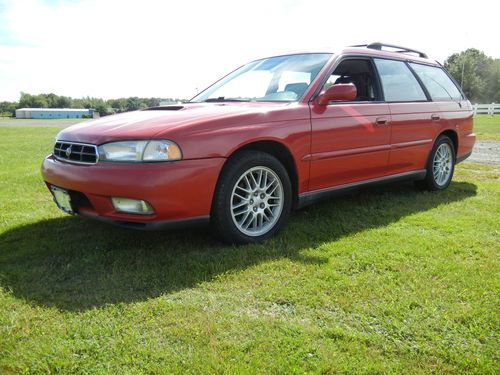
column 140, row 151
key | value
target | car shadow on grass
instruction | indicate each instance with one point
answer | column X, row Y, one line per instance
column 76, row 264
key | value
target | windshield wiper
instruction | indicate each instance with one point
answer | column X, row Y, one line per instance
column 224, row 99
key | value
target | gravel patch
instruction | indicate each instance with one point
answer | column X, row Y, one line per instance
column 485, row 152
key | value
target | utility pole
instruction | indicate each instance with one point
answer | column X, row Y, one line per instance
column 462, row 80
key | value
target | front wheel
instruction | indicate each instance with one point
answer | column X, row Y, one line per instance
column 440, row 166
column 253, row 198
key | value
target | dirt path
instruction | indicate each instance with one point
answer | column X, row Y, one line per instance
column 486, row 152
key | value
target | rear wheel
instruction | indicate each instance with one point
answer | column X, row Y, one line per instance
column 440, row 166
column 253, row 198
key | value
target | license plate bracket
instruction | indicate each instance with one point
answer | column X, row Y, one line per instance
column 62, row 199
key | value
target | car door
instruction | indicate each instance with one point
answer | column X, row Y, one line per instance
column 415, row 118
column 350, row 140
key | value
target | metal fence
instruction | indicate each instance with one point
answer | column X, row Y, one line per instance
column 486, row 109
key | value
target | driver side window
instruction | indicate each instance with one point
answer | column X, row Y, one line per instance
column 360, row 73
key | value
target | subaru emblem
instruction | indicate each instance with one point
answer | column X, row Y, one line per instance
column 68, row 151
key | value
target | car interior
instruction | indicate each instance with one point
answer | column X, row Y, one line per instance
column 298, row 88
column 360, row 73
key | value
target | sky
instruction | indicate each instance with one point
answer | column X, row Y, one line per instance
column 163, row 48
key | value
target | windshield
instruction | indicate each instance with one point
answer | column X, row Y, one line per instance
column 282, row 78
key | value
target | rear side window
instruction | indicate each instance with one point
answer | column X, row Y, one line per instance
column 437, row 82
column 398, row 82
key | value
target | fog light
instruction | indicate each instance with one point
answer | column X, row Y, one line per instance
column 132, row 206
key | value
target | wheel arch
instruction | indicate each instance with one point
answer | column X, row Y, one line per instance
column 452, row 134
column 280, row 152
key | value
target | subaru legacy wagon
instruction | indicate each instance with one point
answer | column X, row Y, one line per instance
column 273, row 135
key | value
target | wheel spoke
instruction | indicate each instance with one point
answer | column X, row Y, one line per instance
column 254, row 221
column 239, row 196
column 270, row 184
column 238, row 205
column 274, row 189
column 255, row 185
column 243, row 189
column 263, row 182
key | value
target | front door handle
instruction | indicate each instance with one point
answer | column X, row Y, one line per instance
column 435, row 117
column 381, row 121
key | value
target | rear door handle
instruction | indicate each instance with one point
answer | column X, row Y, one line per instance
column 381, row 121
column 435, row 117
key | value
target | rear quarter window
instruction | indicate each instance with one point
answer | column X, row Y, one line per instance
column 398, row 82
column 437, row 82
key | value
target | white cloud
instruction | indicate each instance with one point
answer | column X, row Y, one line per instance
column 168, row 49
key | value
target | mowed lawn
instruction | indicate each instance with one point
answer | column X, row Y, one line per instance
column 385, row 280
column 487, row 127
column 6, row 121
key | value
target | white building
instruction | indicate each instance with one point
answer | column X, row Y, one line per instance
column 49, row 113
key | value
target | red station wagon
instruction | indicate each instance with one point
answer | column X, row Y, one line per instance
column 275, row 134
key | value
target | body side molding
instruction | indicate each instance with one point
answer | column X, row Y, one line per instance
column 310, row 197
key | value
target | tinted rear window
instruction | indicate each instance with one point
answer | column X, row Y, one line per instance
column 437, row 82
column 398, row 82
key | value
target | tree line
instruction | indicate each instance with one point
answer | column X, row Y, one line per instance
column 478, row 74
column 104, row 107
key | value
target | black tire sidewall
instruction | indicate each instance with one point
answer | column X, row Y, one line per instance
column 221, row 208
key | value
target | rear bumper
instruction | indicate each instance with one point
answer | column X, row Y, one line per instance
column 179, row 192
column 465, row 145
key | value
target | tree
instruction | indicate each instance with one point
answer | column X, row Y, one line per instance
column 32, row 101
column 474, row 71
column 7, row 109
column 493, row 84
column 104, row 107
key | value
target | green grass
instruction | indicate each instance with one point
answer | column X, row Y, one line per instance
column 40, row 122
column 386, row 280
column 487, row 128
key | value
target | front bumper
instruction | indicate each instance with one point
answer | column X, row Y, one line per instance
column 179, row 192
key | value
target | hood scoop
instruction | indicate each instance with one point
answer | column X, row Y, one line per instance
column 165, row 108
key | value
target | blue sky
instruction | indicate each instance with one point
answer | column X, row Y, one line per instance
column 112, row 48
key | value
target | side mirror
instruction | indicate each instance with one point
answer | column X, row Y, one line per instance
column 338, row 92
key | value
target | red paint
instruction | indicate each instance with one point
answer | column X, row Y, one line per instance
column 338, row 92
column 334, row 144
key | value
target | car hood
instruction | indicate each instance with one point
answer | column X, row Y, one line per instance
column 162, row 121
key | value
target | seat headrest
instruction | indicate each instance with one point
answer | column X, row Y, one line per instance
column 298, row 88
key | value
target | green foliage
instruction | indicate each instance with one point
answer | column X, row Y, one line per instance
column 478, row 74
column 7, row 109
column 104, row 107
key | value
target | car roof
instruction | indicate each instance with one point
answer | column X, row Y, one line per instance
column 405, row 56
column 401, row 53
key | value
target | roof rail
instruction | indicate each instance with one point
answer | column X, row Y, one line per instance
column 379, row 46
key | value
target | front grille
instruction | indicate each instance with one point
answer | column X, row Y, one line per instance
column 76, row 152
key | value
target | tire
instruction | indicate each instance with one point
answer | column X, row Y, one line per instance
column 440, row 166
column 238, row 213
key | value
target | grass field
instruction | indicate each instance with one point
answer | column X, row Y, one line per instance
column 39, row 122
column 487, row 127
column 386, row 280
